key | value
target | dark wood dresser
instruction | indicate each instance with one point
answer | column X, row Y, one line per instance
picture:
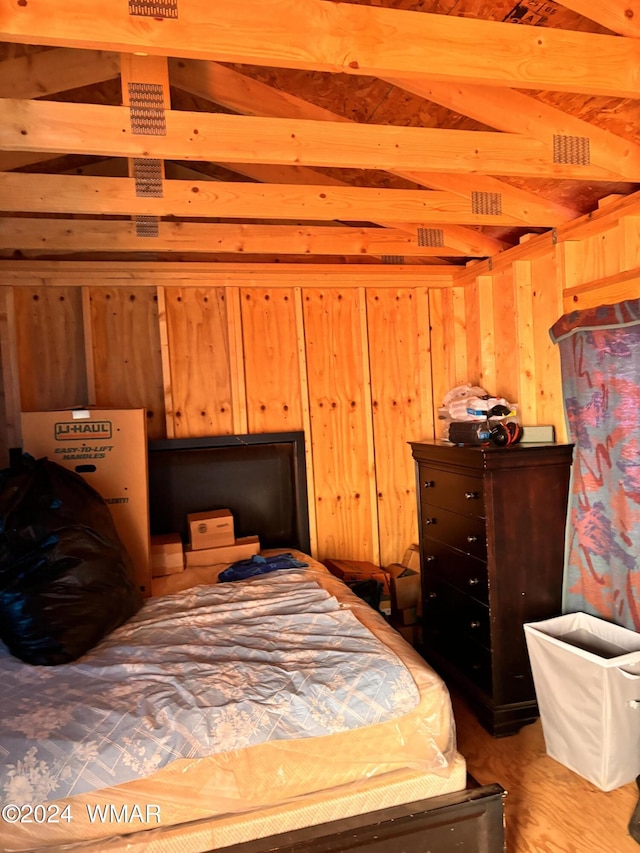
column 492, row 530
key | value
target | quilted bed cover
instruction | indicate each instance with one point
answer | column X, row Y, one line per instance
column 215, row 701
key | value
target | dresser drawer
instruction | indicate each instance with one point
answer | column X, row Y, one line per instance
column 458, row 492
column 471, row 659
column 465, row 533
column 463, row 615
column 460, row 570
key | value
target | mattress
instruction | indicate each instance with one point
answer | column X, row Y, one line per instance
column 205, row 803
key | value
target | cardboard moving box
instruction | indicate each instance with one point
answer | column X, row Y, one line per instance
column 411, row 558
column 211, row 529
column 108, row 447
column 352, row 571
column 167, row 554
column 404, row 587
column 242, row 549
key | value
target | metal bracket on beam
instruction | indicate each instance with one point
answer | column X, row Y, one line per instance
column 486, row 204
column 147, row 226
column 146, row 109
column 154, row 8
column 432, row 237
column 574, row 150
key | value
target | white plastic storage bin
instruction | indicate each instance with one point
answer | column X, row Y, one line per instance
column 586, row 674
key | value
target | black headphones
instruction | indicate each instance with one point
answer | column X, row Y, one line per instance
column 505, row 433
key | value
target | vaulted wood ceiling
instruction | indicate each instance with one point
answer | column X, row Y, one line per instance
column 407, row 131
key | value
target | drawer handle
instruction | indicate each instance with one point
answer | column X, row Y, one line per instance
column 429, row 558
column 432, row 595
column 473, row 581
column 429, row 521
column 471, row 538
column 475, row 623
column 471, row 496
column 429, row 484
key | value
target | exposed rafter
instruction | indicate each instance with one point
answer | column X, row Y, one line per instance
column 541, row 166
column 346, row 38
column 33, row 193
column 468, row 241
column 71, row 128
column 236, row 91
column 616, row 15
column 118, row 236
column 51, row 71
column 515, row 112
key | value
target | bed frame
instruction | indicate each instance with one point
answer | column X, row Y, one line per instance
column 469, row 821
column 262, row 480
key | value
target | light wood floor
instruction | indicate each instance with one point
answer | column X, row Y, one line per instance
column 548, row 808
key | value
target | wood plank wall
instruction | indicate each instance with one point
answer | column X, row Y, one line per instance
column 346, row 362
column 358, row 360
column 511, row 303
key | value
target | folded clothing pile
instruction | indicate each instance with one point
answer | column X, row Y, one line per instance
column 472, row 403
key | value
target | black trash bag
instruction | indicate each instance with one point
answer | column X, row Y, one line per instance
column 66, row 579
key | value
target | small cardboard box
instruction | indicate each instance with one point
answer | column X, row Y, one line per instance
column 411, row 558
column 404, row 587
column 211, row 529
column 167, row 555
column 352, row 571
column 108, row 447
column 242, row 549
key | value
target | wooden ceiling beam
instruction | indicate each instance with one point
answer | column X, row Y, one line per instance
column 229, row 88
column 343, row 38
column 245, row 95
column 514, row 112
column 467, row 241
column 117, row 273
column 226, row 87
column 50, row 71
column 82, row 235
column 616, row 15
column 458, row 238
column 474, row 244
column 70, row 128
column 34, row 193
column 47, row 73
column 277, row 174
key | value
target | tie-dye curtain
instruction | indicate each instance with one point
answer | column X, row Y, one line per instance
column 600, row 357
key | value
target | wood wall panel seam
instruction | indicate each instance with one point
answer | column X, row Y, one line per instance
column 369, row 428
column 163, row 331
column 526, row 343
column 10, row 371
column 238, row 382
column 87, row 328
column 306, row 419
column 489, row 374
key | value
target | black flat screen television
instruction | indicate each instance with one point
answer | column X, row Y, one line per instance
column 260, row 478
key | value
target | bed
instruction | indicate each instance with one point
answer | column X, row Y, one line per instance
column 332, row 732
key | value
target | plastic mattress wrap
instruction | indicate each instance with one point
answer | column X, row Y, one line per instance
column 410, row 757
